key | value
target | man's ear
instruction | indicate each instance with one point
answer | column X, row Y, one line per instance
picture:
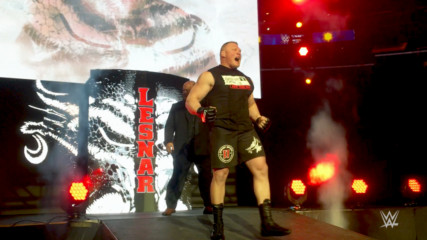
column 222, row 54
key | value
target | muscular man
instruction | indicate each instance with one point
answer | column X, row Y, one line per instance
column 186, row 138
column 231, row 110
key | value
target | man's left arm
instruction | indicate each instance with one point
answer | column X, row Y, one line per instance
column 253, row 109
column 262, row 122
column 170, row 129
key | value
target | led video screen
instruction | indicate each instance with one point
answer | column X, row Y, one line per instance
column 58, row 43
column 61, row 40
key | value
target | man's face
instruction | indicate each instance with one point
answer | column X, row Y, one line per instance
column 186, row 89
column 231, row 56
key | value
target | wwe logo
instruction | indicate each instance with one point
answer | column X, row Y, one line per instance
column 389, row 219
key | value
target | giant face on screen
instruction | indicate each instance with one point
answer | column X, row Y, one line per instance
column 61, row 40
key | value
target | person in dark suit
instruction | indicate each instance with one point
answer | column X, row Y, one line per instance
column 186, row 138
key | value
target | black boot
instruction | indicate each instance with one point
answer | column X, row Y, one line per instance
column 218, row 226
column 268, row 226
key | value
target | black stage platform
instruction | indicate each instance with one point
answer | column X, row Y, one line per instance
column 241, row 223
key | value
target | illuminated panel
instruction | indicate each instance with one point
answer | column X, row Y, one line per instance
column 281, row 39
column 127, row 115
column 333, row 36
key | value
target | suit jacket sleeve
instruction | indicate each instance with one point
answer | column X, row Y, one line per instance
column 201, row 139
column 170, row 125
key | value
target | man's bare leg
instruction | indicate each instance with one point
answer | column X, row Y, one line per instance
column 259, row 169
column 218, row 185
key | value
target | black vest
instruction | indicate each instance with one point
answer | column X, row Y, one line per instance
column 230, row 96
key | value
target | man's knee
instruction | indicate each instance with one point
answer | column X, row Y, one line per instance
column 257, row 164
column 258, row 167
column 220, row 175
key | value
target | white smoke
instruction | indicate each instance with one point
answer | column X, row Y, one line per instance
column 327, row 140
column 329, row 20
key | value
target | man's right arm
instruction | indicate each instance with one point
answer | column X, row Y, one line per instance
column 202, row 87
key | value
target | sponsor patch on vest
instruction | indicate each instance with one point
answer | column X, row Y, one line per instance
column 226, row 153
column 236, row 82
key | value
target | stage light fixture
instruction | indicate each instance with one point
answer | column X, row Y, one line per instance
column 414, row 185
column 308, row 81
column 77, row 196
column 298, row 2
column 296, row 192
column 322, row 172
column 359, row 186
column 412, row 190
column 298, row 187
column 298, row 24
column 359, row 195
column 78, row 191
column 303, row 51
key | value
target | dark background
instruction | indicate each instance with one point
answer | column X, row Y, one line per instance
column 381, row 104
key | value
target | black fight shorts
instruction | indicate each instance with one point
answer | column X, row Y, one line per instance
column 230, row 148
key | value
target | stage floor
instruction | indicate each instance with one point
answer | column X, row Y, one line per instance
column 241, row 223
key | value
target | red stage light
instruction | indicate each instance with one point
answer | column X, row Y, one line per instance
column 412, row 190
column 414, row 185
column 308, row 81
column 298, row 24
column 298, row 187
column 77, row 196
column 298, row 1
column 303, row 51
column 359, row 186
column 78, row 191
column 296, row 192
column 322, row 172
